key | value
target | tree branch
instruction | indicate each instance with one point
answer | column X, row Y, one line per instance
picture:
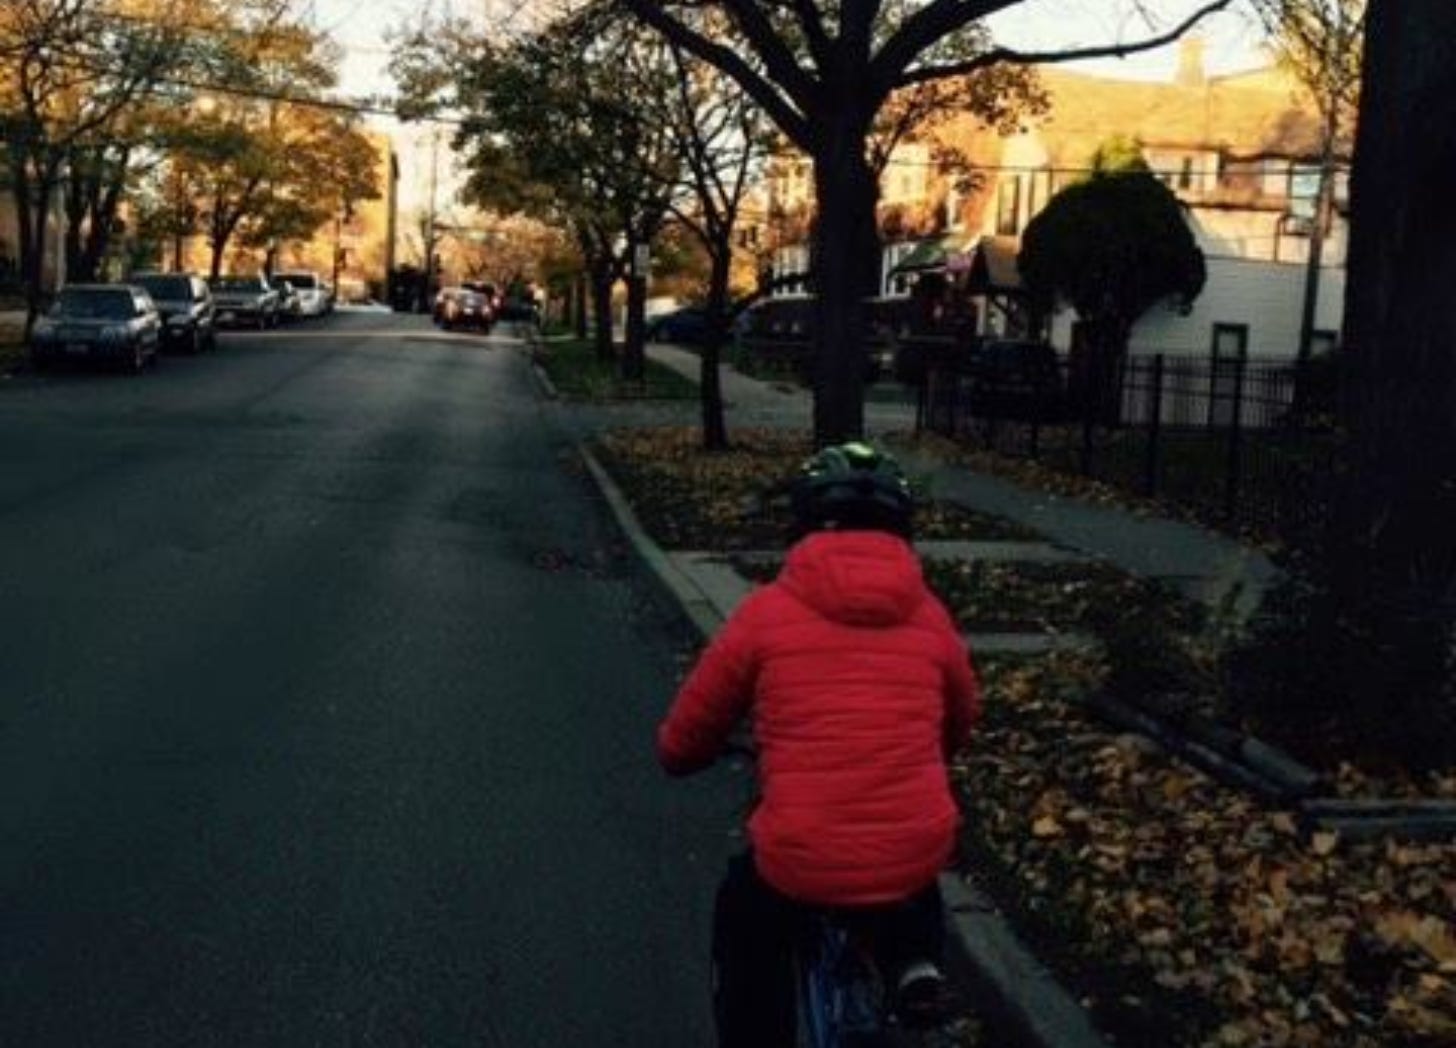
column 781, row 67
column 1011, row 56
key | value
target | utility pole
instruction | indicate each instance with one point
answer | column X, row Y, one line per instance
column 430, row 221
column 338, row 246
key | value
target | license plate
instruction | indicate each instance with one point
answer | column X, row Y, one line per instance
column 227, row 316
column 77, row 348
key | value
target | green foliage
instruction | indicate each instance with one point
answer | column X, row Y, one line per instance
column 1113, row 247
column 1119, row 155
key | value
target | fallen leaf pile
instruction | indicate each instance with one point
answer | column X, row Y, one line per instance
column 1182, row 911
column 992, row 596
column 1066, row 482
column 1210, row 916
column 1024, row 597
column 687, row 498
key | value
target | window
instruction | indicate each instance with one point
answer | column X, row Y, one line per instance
column 1185, row 175
column 1008, row 206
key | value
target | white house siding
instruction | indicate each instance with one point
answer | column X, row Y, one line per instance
column 1267, row 297
column 1264, row 235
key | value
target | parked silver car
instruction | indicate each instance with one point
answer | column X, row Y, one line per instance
column 110, row 323
column 246, row 300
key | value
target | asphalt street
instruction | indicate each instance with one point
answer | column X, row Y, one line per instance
column 327, row 693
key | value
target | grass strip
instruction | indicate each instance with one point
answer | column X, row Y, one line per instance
column 577, row 372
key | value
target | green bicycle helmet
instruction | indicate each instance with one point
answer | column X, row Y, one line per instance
column 852, row 487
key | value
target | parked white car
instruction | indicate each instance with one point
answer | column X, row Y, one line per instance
column 314, row 299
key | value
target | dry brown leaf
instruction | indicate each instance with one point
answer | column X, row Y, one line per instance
column 1046, row 826
column 1284, row 823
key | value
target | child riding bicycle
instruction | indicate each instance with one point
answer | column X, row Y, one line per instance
column 857, row 686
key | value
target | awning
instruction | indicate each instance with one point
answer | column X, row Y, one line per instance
column 931, row 254
column 993, row 267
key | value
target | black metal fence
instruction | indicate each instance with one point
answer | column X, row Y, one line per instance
column 1235, row 442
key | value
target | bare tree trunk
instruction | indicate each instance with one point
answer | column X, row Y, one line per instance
column 601, row 286
column 634, row 364
column 845, row 257
column 710, row 372
column 579, row 304
column 1392, row 554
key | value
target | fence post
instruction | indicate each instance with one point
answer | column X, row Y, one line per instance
column 922, row 395
column 1155, row 419
column 1089, row 409
column 1235, row 449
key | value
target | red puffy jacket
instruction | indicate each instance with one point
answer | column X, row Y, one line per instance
column 857, row 683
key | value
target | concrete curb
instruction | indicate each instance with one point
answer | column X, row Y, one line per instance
column 1016, row 994
column 547, row 386
column 1014, row 990
column 695, row 604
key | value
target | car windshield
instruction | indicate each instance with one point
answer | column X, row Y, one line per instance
column 166, row 287
column 95, row 303
column 300, row 281
column 238, row 284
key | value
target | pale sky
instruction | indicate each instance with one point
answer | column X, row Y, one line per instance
column 360, row 27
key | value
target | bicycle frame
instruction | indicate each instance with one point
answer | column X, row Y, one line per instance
column 839, row 991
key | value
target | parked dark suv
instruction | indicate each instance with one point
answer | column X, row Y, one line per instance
column 106, row 323
column 189, row 318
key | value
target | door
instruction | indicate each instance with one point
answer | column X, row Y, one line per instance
column 1230, row 350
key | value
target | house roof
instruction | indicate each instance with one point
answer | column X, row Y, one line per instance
column 1261, row 113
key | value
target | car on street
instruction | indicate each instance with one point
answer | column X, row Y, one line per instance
column 246, row 300
column 458, row 307
column 778, row 332
column 289, row 306
column 686, row 326
column 98, row 323
column 314, row 299
column 492, row 294
column 189, row 317
column 1015, row 379
column 520, row 308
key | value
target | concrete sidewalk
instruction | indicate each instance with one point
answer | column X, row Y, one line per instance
column 1201, row 563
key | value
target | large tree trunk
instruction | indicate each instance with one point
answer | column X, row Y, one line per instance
column 844, row 264
column 1392, row 553
column 579, row 305
column 602, row 279
column 31, row 187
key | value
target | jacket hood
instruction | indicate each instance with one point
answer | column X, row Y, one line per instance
column 859, row 578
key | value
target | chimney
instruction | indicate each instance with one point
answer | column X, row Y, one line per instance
column 1190, row 62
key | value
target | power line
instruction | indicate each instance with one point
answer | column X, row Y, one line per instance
column 356, row 107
